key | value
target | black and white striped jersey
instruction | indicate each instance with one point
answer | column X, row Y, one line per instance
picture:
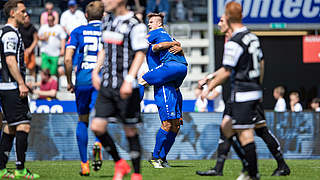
column 243, row 54
column 10, row 45
column 122, row 37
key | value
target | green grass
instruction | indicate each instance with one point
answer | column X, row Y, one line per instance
column 182, row 170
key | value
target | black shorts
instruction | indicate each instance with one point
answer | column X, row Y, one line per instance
column 259, row 114
column 109, row 105
column 244, row 114
column 15, row 109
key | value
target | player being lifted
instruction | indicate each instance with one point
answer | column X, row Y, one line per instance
column 168, row 68
column 86, row 40
column 261, row 130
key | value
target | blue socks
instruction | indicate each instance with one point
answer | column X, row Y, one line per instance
column 82, row 139
column 171, row 137
column 161, row 139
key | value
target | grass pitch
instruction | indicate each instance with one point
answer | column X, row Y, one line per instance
column 181, row 170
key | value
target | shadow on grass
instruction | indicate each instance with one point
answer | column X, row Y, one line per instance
column 179, row 166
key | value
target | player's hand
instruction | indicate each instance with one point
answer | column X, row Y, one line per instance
column 202, row 82
column 126, row 89
column 175, row 49
column 27, row 51
column 70, row 87
column 96, row 81
column 23, row 90
column 204, row 94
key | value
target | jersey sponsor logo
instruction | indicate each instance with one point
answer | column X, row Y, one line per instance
column 10, row 46
column 111, row 37
column 87, row 65
column 267, row 11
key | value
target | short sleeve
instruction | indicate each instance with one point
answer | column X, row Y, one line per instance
column 10, row 43
column 73, row 41
column 41, row 29
column 33, row 29
column 138, row 37
column 63, row 19
column 231, row 55
column 62, row 35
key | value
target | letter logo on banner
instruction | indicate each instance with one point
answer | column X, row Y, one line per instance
column 274, row 11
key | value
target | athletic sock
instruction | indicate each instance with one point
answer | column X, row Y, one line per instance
column 5, row 148
column 108, row 144
column 21, row 148
column 161, row 139
column 223, row 150
column 135, row 152
column 171, row 137
column 82, row 139
column 251, row 157
column 239, row 151
column 272, row 144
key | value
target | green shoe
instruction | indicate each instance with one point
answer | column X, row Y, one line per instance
column 4, row 173
column 26, row 174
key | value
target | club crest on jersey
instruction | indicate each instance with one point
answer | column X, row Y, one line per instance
column 111, row 37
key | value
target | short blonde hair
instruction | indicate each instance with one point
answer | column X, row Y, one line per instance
column 280, row 90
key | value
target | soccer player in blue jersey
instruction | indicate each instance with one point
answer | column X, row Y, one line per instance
column 86, row 40
column 167, row 72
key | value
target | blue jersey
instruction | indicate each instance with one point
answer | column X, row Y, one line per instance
column 160, row 35
column 153, row 59
column 86, row 41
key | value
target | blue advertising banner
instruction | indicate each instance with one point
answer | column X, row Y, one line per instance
column 53, row 136
column 274, row 11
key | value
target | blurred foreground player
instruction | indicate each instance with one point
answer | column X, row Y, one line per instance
column 13, row 92
column 241, row 61
column 124, row 41
column 261, row 130
column 86, row 40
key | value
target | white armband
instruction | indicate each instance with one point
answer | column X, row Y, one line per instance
column 210, row 76
column 129, row 78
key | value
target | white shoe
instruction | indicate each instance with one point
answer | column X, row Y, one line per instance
column 244, row 176
column 156, row 163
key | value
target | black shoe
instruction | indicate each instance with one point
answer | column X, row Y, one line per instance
column 211, row 172
column 284, row 171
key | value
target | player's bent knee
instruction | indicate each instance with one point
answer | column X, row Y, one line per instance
column 246, row 136
column 23, row 127
column 98, row 126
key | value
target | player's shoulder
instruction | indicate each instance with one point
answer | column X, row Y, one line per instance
column 8, row 33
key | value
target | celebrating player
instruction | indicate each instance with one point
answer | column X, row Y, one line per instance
column 168, row 68
column 13, row 92
column 124, row 40
column 85, row 39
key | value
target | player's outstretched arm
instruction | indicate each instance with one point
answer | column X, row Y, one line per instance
column 68, row 67
column 165, row 45
column 221, row 76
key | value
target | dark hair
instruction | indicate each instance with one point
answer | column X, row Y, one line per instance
column 316, row 100
column 11, row 5
column 46, row 72
column 234, row 12
column 95, row 10
column 52, row 16
column 161, row 15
